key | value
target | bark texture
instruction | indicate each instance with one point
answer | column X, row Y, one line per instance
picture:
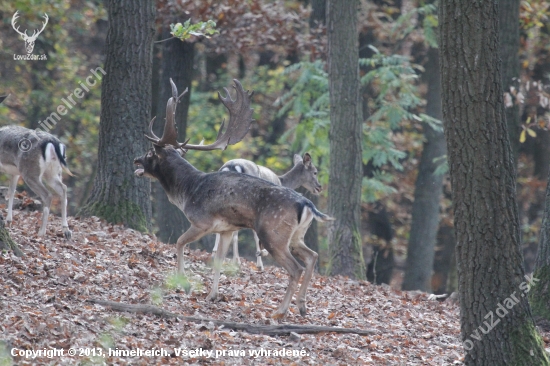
column 489, row 259
column 118, row 196
column 509, row 48
column 344, row 190
column 428, row 188
column 177, row 63
column 540, row 296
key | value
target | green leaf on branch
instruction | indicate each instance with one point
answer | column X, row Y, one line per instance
column 186, row 30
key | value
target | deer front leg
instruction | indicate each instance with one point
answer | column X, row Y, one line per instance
column 309, row 257
column 225, row 240
column 192, row 234
column 11, row 193
column 236, row 258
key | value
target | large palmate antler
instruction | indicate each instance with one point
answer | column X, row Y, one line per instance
column 170, row 134
column 240, row 119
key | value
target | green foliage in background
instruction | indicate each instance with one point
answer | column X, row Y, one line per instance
column 186, row 30
column 393, row 79
column 38, row 87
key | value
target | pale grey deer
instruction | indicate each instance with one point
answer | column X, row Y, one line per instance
column 39, row 158
column 223, row 202
column 302, row 174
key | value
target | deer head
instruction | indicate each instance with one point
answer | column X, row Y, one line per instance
column 29, row 40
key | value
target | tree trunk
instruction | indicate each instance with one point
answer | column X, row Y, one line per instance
column 509, row 48
column 318, row 13
column 428, row 188
column 177, row 63
column 444, row 260
column 496, row 322
column 118, row 196
column 316, row 18
column 6, row 242
column 540, row 297
column 344, row 190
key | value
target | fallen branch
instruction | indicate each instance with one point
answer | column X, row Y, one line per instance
column 249, row 328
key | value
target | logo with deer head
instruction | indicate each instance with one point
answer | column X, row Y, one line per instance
column 29, row 40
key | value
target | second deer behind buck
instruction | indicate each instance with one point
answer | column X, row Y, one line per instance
column 303, row 174
column 223, row 202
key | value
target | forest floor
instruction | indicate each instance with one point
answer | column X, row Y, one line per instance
column 44, row 305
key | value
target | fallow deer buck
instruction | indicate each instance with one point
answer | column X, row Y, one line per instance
column 302, row 174
column 38, row 157
column 223, row 202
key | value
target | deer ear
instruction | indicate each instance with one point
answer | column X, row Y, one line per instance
column 158, row 150
column 307, row 160
column 297, row 159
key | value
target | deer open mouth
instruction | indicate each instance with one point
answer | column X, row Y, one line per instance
column 140, row 171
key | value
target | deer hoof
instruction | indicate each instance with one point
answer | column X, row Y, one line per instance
column 212, row 296
column 303, row 310
column 67, row 233
column 8, row 222
column 278, row 315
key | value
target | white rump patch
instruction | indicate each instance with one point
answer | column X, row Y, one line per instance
column 50, row 153
column 306, row 216
column 239, row 168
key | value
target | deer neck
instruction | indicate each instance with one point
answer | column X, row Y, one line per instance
column 178, row 177
column 292, row 179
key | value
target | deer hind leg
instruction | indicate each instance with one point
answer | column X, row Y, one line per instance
column 277, row 244
column 35, row 184
column 192, row 234
column 61, row 189
column 309, row 257
column 11, row 193
column 225, row 240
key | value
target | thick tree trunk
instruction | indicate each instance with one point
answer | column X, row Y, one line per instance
column 427, row 193
column 509, row 48
column 345, row 177
column 177, row 63
column 118, row 196
column 496, row 322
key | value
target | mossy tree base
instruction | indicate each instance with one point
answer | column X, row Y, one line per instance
column 127, row 213
column 6, row 242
